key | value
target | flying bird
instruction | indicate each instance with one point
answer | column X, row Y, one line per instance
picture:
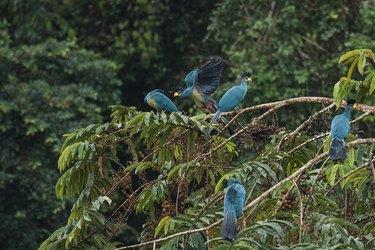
column 232, row 97
column 339, row 129
column 234, row 201
column 159, row 101
column 201, row 83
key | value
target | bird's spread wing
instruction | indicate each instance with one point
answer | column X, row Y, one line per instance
column 209, row 76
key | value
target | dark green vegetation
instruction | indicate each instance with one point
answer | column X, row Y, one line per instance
column 63, row 63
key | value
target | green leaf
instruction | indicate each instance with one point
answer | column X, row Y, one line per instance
column 343, row 222
column 352, row 67
column 161, row 224
column 147, row 119
column 348, row 55
column 327, row 144
column 101, row 199
column 361, row 63
column 372, row 86
column 351, row 157
column 331, row 173
column 67, row 155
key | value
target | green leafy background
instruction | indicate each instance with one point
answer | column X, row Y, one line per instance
column 64, row 63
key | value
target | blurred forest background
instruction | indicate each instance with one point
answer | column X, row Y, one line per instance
column 63, row 63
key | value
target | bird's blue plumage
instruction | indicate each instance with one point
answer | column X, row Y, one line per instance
column 191, row 79
column 234, row 201
column 339, row 129
column 232, row 98
column 159, row 101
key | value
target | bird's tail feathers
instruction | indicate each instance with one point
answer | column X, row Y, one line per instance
column 228, row 229
column 337, row 150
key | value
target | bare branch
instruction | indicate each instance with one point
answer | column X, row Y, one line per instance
column 304, row 124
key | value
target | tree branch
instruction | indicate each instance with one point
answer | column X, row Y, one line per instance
column 255, row 201
column 304, row 124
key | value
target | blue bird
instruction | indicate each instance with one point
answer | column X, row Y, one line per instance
column 234, row 201
column 201, row 83
column 232, row 97
column 159, row 101
column 339, row 129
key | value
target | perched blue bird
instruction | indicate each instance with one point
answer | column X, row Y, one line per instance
column 339, row 129
column 232, row 97
column 159, row 101
column 201, row 83
column 234, row 201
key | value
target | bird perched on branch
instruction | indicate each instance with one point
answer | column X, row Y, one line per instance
column 201, row 83
column 234, row 201
column 339, row 129
column 159, row 101
column 232, row 97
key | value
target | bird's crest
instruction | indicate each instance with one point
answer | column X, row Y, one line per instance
column 350, row 102
column 228, row 182
column 246, row 75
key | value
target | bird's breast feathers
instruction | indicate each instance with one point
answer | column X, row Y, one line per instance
column 151, row 101
column 198, row 96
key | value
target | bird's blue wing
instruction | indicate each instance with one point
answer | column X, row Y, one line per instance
column 230, row 195
column 240, row 199
column 231, row 99
column 340, row 126
column 208, row 78
column 191, row 78
column 164, row 103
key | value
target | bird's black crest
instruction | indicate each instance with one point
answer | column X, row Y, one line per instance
column 350, row 102
column 225, row 183
column 246, row 74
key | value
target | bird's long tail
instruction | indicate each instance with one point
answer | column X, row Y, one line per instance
column 214, row 118
column 337, row 150
column 228, row 229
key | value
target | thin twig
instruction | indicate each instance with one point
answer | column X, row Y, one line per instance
column 371, row 163
column 304, row 124
column 300, row 211
column 316, row 180
column 115, row 212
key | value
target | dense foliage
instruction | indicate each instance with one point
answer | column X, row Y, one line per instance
column 64, row 62
column 296, row 196
column 47, row 90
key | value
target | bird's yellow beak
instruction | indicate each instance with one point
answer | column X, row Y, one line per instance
column 355, row 105
column 176, row 94
column 248, row 79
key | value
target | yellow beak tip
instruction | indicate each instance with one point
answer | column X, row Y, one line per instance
column 176, row 94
